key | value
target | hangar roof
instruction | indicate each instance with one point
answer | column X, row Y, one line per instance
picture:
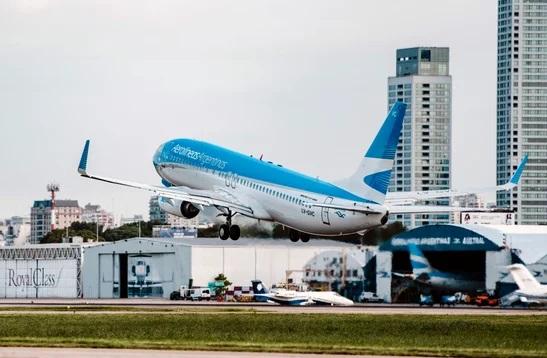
column 244, row 241
column 530, row 241
column 167, row 244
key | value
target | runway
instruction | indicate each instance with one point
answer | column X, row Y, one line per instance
column 27, row 352
column 158, row 306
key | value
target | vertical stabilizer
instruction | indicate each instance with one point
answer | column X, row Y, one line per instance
column 371, row 179
column 418, row 261
column 524, row 279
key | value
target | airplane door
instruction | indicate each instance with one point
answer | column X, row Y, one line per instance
column 325, row 211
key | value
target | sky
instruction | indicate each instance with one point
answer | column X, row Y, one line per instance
column 302, row 82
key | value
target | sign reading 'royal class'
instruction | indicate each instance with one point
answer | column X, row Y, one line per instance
column 31, row 278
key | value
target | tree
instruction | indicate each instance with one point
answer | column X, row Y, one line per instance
column 220, row 291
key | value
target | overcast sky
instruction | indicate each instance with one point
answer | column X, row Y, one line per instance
column 303, row 82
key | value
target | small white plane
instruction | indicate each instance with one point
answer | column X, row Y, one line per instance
column 283, row 296
column 530, row 291
column 197, row 174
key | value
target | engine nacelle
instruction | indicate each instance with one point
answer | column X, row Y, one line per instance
column 178, row 207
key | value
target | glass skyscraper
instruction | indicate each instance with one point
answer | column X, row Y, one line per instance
column 422, row 161
column 522, row 106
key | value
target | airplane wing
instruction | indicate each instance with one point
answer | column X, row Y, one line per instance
column 410, row 197
column 198, row 197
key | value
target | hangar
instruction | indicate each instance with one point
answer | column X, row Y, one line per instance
column 154, row 267
column 41, row 271
column 483, row 251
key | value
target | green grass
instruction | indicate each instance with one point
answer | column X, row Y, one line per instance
column 451, row 335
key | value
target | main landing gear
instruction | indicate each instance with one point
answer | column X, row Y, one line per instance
column 294, row 236
column 228, row 230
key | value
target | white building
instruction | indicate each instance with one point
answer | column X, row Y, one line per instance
column 423, row 154
column 132, row 220
column 522, row 106
column 94, row 214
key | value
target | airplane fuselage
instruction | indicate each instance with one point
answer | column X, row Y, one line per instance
column 276, row 194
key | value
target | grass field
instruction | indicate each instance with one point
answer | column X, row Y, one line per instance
column 484, row 336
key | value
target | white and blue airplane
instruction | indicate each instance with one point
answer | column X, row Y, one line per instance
column 423, row 273
column 196, row 174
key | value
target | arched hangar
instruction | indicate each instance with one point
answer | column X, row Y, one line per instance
column 478, row 251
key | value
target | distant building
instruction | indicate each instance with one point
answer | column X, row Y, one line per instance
column 16, row 231
column 132, row 220
column 94, row 213
column 66, row 212
column 469, row 201
column 423, row 154
column 522, row 106
column 156, row 214
column 161, row 217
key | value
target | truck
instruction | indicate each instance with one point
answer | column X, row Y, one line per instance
column 192, row 294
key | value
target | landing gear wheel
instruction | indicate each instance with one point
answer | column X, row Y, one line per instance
column 234, row 232
column 294, row 235
column 224, row 232
column 304, row 237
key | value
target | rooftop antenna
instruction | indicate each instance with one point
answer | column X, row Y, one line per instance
column 52, row 188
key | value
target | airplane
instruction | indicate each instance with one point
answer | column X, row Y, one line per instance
column 530, row 291
column 423, row 273
column 197, row 174
column 283, row 296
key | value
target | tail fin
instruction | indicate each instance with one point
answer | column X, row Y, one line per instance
column 418, row 261
column 371, row 179
column 258, row 287
column 524, row 278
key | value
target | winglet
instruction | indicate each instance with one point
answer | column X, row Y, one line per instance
column 82, row 167
column 516, row 176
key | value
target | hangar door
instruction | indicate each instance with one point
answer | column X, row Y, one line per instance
column 136, row 275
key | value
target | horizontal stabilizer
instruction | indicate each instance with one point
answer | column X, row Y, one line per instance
column 425, row 209
column 410, row 197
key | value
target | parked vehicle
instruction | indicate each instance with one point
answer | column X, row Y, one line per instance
column 371, row 297
column 486, row 300
column 448, row 300
column 193, row 294
column 426, row 300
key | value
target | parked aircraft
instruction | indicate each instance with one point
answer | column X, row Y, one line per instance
column 197, row 174
column 423, row 273
column 530, row 291
column 298, row 298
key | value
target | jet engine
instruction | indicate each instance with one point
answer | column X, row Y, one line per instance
column 178, row 207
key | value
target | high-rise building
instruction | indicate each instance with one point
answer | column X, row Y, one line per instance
column 65, row 213
column 423, row 154
column 522, row 106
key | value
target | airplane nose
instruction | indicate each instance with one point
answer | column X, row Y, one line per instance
column 157, row 159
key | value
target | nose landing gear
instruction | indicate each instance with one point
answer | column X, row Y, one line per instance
column 228, row 230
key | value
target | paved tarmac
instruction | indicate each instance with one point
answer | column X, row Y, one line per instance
column 148, row 305
column 25, row 352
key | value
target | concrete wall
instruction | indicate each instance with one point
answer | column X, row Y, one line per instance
column 383, row 275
